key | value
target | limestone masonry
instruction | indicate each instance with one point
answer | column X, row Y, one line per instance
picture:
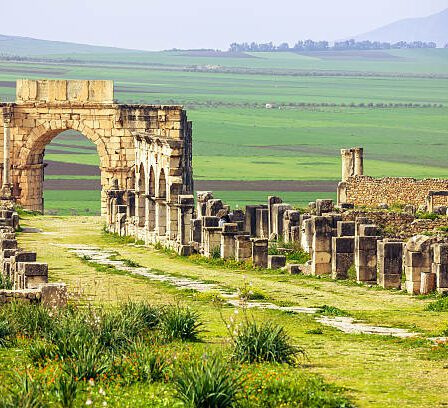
column 44, row 108
column 148, row 193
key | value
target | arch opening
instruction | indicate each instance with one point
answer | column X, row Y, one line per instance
column 61, row 174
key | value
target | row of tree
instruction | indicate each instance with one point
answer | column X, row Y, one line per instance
column 310, row 45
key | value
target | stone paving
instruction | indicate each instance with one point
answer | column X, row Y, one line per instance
column 344, row 324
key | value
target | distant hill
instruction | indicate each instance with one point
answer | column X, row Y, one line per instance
column 432, row 28
column 25, row 46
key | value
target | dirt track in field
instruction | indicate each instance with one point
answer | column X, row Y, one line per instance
column 213, row 185
column 70, row 169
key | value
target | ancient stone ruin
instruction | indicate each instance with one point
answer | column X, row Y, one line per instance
column 23, row 278
column 44, row 108
column 147, row 192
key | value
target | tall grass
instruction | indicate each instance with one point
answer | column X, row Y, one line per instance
column 180, row 323
column 209, row 382
column 263, row 342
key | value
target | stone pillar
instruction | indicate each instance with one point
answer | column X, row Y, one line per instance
column 6, row 181
column 348, row 164
column 417, row 259
column 324, row 206
column 277, row 214
column 160, row 217
column 440, row 267
column 260, row 252
column 229, row 230
column 212, row 207
column 262, row 220
column 196, row 230
column 306, row 238
column 291, row 219
column 358, row 161
column 271, row 201
column 208, row 222
column 243, row 248
column 201, row 202
column 250, row 222
column 343, row 256
column 366, row 259
column 184, row 215
column 211, row 237
column 322, row 241
column 390, row 264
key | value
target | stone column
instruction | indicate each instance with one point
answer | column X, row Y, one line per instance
column 322, row 242
column 262, row 219
column 229, row 230
column 277, row 216
column 358, row 161
column 271, row 201
column 348, row 165
column 243, row 248
column 184, row 215
column 260, row 252
column 291, row 219
column 6, row 182
column 201, row 202
column 366, row 259
column 250, row 222
column 440, row 267
column 343, row 256
column 390, row 264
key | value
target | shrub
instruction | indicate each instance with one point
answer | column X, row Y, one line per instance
column 66, row 388
column 5, row 282
column 180, row 323
column 248, row 292
column 254, row 343
column 144, row 313
column 31, row 320
column 27, row 393
column 144, row 365
column 332, row 311
column 275, row 386
column 40, row 351
column 6, row 332
column 87, row 361
column 293, row 251
column 207, row 383
column 440, row 305
column 427, row 216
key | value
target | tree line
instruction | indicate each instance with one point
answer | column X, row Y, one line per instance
column 310, row 45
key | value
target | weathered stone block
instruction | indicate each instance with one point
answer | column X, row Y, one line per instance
column 343, row 245
column 368, row 230
column 260, row 249
column 346, row 229
column 441, row 254
column 294, row 269
column 276, row 261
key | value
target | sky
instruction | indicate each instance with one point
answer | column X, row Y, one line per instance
column 166, row 24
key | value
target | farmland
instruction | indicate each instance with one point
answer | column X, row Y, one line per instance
column 393, row 103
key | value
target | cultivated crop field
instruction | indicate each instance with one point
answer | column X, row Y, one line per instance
column 393, row 103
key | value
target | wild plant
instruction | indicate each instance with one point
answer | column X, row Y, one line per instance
column 180, row 323
column 209, row 382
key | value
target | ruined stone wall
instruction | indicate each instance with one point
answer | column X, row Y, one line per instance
column 371, row 192
column 45, row 108
column 398, row 225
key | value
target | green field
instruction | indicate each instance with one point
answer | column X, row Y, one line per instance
column 323, row 102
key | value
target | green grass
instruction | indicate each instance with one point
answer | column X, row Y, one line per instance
column 361, row 363
column 226, row 106
column 71, row 202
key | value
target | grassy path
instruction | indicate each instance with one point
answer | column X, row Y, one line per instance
column 379, row 371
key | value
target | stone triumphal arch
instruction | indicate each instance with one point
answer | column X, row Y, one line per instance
column 157, row 138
